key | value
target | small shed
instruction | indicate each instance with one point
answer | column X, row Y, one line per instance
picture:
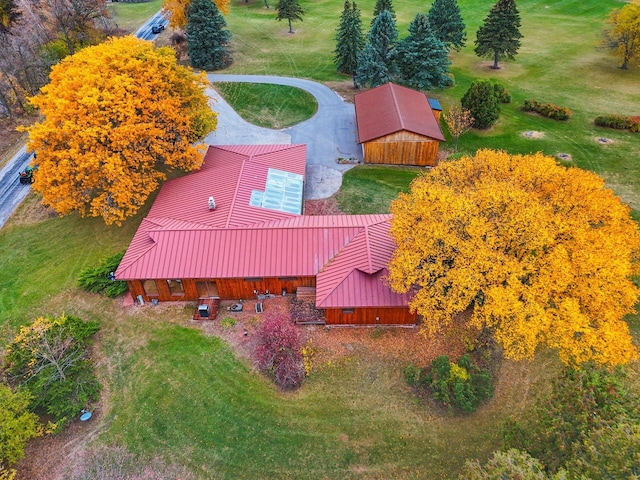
column 398, row 126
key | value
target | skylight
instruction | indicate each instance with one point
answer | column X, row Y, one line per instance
column 283, row 192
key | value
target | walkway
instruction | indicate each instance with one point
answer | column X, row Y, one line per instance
column 329, row 134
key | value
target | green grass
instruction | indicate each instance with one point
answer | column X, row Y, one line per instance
column 130, row 16
column 370, row 189
column 179, row 394
column 273, row 106
column 185, row 397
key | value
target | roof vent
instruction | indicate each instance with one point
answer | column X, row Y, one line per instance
column 212, row 203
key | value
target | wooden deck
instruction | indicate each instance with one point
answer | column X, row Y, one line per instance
column 212, row 302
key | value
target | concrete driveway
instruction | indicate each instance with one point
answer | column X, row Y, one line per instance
column 329, row 134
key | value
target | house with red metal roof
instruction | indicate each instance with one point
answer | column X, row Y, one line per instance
column 398, row 125
column 235, row 229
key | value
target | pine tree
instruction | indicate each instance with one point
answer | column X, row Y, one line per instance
column 482, row 103
column 499, row 36
column 349, row 39
column 376, row 63
column 422, row 59
column 289, row 10
column 207, row 38
column 382, row 5
column 447, row 24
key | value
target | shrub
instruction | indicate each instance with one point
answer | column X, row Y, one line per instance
column 98, row 279
column 461, row 385
column 227, row 322
column 279, row 351
column 49, row 357
column 17, row 426
column 617, row 122
column 581, row 401
column 548, row 110
column 481, row 101
column 501, row 93
column 412, row 375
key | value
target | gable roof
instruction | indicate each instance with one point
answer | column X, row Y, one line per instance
column 391, row 108
column 356, row 276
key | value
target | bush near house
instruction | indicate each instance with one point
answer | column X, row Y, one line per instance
column 279, row 352
column 99, row 279
column 461, row 385
column 618, row 122
column 548, row 110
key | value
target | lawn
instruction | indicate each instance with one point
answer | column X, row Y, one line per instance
column 130, row 16
column 176, row 393
column 273, row 106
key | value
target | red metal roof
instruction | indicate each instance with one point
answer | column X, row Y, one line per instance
column 391, row 108
column 356, row 277
column 228, row 174
column 181, row 238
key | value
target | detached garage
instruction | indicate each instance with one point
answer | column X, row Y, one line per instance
column 398, row 126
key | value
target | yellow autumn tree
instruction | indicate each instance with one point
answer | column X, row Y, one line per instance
column 622, row 33
column 536, row 253
column 117, row 117
column 178, row 10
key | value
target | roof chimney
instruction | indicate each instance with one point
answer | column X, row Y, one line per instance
column 212, row 203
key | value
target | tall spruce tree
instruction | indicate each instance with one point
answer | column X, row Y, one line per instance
column 383, row 5
column 289, row 10
column 499, row 36
column 422, row 59
column 207, row 37
column 349, row 39
column 447, row 24
column 376, row 62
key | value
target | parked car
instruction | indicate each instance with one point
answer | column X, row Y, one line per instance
column 157, row 28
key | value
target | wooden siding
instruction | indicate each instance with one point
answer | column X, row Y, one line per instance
column 402, row 148
column 228, row 288
column 436, row 113
column 370, row 316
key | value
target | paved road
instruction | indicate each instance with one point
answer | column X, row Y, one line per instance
column 329, row 134
column 12, row 192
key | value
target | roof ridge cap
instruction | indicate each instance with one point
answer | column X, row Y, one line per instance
column 235, row 191
column 395, row 104
column 368, row 248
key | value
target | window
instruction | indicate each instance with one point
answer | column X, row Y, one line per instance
column 287, row 279
column 348, row 310
column 150, row 288
column 253, row 279
column 175, row 287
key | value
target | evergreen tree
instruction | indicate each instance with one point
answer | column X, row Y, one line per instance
column 482, row 103
column 376, row 63
column 289, row 10
column 349, row 39
column 446, row 23
column 499, row 36
column 207, row 37
column 383, row 5
column 422, row 59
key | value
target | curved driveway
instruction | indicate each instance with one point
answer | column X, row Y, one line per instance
column 329, row 134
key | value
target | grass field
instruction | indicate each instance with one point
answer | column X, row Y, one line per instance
column 175, row 393
column 272, row 106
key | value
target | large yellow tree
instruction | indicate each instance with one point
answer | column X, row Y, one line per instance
column 117, row 117
column 178, row 10
column 537, row 253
